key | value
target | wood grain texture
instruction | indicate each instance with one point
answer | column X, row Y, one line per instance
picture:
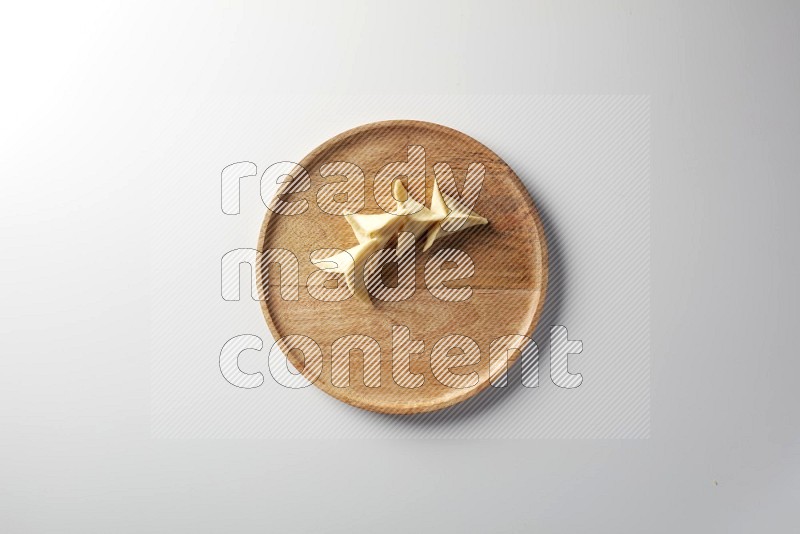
column 509, row 254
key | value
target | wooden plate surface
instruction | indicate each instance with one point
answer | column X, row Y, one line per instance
column 508, row 285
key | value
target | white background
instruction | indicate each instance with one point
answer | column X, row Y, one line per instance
column 101, row 101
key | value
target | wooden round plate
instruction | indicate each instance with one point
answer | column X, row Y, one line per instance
column 508, row 285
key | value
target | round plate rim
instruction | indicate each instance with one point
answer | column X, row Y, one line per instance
column 468, row 393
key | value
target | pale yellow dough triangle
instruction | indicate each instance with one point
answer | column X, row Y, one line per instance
column 441, row 204
column 372, row 226
column 372, row 231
